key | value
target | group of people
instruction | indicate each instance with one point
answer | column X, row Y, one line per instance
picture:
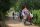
column 25, row 14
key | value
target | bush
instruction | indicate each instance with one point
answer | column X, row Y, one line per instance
column 36, row 17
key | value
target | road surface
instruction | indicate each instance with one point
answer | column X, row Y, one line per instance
column 17, row 24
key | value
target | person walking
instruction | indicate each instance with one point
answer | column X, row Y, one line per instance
column 13, row 15
column 27, row 16
column 25, row 13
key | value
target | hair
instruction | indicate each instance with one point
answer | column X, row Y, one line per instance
column 23, row 6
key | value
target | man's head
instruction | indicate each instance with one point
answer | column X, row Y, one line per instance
column 25, row 6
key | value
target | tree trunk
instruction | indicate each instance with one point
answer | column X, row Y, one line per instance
column 3, row 19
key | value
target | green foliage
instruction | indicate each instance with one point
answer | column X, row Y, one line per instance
column 17, row 6
column 32, row 4
column 4, row 7
column 13, row 2
column 36, row 19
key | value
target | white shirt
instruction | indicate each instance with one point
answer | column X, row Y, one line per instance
column 25, row 9
column 31, row 15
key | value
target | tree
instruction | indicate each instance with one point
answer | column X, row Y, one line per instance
column 4, row 7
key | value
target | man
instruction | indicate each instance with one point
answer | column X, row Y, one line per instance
column 25, row 13
column 13, row 15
